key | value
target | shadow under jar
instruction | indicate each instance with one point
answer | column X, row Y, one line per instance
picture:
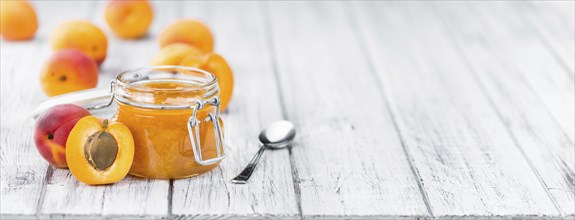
column 171, row 111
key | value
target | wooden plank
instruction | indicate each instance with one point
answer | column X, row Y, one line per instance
column 555, row 23
column 23, row 169
column 135, row 197
column 22, row 179
column 16, row 138
column 132, row 197
column 348, row 158
column 240, row 38
column 469, row 164
column 541, row 139
column 542, row 71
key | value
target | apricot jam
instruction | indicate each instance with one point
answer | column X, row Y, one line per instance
column 157, row 111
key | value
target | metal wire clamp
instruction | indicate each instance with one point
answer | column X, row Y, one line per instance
column 193, row 129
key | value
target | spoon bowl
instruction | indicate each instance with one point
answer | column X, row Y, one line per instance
column 277, row 135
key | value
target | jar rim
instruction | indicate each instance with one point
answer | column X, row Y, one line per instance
column 131, row 78
column 212, row 78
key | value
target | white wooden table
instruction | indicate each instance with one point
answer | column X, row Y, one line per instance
column 404, row 110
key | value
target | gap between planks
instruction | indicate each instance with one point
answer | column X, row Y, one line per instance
column 371, row 67
column 264, row 7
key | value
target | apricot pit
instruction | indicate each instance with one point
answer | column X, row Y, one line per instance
column 101, row 149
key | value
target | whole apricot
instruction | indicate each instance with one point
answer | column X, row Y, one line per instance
column 217, row 65
column 188, row 31
column 81, row 35
column 173, row 54
column 18, row 20
column 68, row 71
column 129, row 19
column 52, row 130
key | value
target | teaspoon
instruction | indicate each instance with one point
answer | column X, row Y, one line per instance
column 277, row 135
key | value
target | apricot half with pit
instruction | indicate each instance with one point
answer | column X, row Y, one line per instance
column 99, row 151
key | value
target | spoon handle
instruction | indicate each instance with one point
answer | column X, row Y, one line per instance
column 247, row 172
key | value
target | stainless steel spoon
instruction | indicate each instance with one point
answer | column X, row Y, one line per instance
column 277, row 135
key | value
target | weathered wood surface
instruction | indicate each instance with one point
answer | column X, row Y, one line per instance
column 404, row 110
column 468, row 163
column 330, row 93
column 554, row 23
column 493, row 58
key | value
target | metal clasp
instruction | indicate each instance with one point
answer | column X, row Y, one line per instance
column 193, row 129
column 112, row 87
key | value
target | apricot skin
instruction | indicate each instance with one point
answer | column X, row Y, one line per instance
column 217, row 65
column 188, row 31
column 81, row 35
column 129, row 19
column 174, row 53
column 52, row 130
column 18, row 20
column 79, row 164
column 68, row 71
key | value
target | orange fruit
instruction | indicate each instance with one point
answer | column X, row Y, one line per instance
column 99, row 152
column 18, row 20
column 174, row 53
column 68, row 70
column 217, row 65
column 129, row 19
column 81, row 35
column 188, row 31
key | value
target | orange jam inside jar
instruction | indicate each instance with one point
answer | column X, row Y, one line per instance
column 157, row 104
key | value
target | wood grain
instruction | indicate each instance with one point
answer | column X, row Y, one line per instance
column 491, row 55
column 469, row 164
column 555, row 23
column 16, row 138
column 348, row 158
column 23, row 169
column 240, row 38
column 552, row 84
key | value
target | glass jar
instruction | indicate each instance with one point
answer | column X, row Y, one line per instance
column 170, row 111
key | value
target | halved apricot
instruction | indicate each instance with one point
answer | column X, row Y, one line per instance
column 216, row 64
column 99, row 152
